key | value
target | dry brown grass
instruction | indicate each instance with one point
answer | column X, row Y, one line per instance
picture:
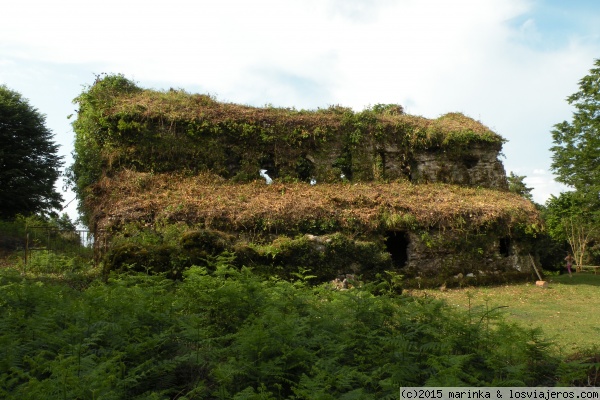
column 175, row 108
column 131, row 196
column 174, row 131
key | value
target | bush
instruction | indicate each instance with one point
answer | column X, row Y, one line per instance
column 202, row 243
column 128, row 255
column 228, row 333
column 326, row 256
column 44, row 262
column 150, row 252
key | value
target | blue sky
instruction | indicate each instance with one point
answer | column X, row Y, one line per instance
column 508, row 63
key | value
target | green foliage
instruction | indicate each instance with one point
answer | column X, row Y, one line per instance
column 170, row 252
column 576, row 158
column 51, row 262
column 205, row 242
column 230, row 333
column 55, row 247
column 559, row 208
column 389, row 109
column 576, row 161
column 584, row 372
column 517, row 185
column 94, row 133
column 573, row 217
column 14, row 231
column 326, row 257
column 29, row 160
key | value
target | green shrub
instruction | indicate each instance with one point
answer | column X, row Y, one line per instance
column 154, row 259
column 223, row 332
column 127, row 255
column 199, row 244
column 325, row 256
column 148, row 251
column 44, row 262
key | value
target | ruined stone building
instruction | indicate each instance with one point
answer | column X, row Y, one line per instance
column 171, row 178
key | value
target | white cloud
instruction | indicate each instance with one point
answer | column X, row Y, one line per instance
column 365, row 50
column 544, row 186
column 542, row 182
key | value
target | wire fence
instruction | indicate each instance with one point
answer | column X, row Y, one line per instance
column 59, row 250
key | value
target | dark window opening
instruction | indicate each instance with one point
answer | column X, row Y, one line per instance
column 267, row 161
column 305, row 169
column 344, row 163
column 412, row 171
column 396, row 244
column 470, row 161
column 381, row 164
column 504, row 248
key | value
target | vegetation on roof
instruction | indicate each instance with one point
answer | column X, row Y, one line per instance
column 122, row 126
column 299, row 207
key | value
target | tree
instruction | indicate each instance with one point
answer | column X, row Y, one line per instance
column 29, row 163
column 571, row 218
column 575, row 216
column 517, row 185
column 576, row 159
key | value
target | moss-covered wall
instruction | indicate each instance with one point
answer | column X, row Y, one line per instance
column 441, row 259
column 455, row 258
column 479, row 167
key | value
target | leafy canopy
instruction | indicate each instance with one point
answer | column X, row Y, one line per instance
column 574, row 216
column 517, row 185
column 29, row 163
column 576, row 159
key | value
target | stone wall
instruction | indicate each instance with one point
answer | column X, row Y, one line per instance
column 480, row 167
column 476, row 166
column 447, row 257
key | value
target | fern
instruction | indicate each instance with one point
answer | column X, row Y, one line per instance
column 224, row 332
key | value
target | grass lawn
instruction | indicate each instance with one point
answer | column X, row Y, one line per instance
column 568, row 310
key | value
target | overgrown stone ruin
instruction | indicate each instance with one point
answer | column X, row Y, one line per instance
column 172, row 179
column 480, row 167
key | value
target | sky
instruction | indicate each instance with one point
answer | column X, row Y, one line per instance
column 508, row 63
